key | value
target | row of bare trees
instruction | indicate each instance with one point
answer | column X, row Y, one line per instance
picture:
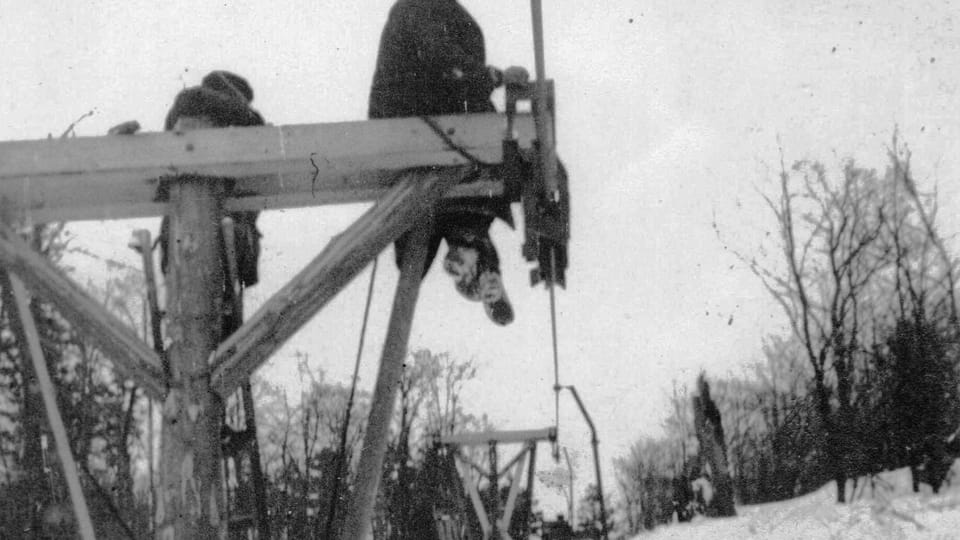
column 866, row 378
column 868, row 288
column 300, row 442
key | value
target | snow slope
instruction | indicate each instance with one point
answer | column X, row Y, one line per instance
column 888, row 509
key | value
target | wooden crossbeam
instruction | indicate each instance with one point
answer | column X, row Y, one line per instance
column 415, row 193
column 275, row 166
column 514, row 436
column 131, row 356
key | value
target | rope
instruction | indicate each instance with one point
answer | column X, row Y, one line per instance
column 438, row 131
column 332, row 511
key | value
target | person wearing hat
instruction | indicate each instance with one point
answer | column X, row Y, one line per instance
column 432, row 61
column 222, row 100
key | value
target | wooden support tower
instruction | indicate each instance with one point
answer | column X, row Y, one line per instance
column 402, row 164
column 497, row 525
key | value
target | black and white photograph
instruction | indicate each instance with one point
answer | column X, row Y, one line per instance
column 479, row 269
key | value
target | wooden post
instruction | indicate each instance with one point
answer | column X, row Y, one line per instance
column 144, row 246
column 374, row 449
column 151, row 312
column 492, row 492
column 246, row 389
column 190, row 499
column 67, row 463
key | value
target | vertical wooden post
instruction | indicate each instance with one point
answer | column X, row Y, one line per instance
column 67, row 463
column 374, row 449
column 246, row 389
column 190, row 502
column 151, row 317
column 493, row 492
column 144, row 245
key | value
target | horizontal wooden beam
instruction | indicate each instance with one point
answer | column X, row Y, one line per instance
column 504, row 437
column 129, row 354
column 413, row 195
column 276, row 166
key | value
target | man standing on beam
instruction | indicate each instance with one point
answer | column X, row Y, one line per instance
column 432, row 61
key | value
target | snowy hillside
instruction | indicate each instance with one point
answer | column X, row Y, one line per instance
column 889, row 509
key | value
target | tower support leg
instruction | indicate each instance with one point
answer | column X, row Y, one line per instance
column 388, row 378
column 190, row 502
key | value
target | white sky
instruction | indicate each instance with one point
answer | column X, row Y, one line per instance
column 669, row 113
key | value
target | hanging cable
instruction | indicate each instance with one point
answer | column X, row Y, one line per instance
column 556, row 356
column 341, row 452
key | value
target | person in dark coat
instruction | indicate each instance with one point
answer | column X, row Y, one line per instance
column 432, row 61
column 222, row 100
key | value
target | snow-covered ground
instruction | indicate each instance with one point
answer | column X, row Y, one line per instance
column 888, row 509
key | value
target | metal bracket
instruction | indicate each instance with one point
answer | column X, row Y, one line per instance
column 541, row 183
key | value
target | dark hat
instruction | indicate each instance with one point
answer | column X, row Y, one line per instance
column 223, row 98
column 228, row 83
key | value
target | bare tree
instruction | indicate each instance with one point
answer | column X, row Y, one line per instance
column 830, row 238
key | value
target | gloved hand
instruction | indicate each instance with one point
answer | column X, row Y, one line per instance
column 515, row 75
column 127, row 128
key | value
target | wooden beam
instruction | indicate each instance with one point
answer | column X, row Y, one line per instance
column 370, row 467
column 62, row 441
column 414, row 194
column 190, row 499
column 275, row 166
column 128, row 353
column 31, row 407
column 500, row 437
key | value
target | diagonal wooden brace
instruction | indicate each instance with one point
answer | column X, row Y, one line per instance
column 414, row 194
column 130, row 355
column 48, row 390
column 373, row 452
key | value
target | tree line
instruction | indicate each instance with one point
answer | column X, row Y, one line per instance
column 866, row 378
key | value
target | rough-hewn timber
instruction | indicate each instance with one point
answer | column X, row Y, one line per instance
column 274, row 166
column 370, row 467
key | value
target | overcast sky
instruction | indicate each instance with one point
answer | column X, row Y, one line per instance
column 669, row 114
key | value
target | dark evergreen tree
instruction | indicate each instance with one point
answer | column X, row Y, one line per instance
column 922, row 394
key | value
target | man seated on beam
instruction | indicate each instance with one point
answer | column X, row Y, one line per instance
column 432, row 61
